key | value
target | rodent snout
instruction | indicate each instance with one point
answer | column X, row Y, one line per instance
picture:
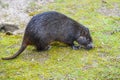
column 89, row 46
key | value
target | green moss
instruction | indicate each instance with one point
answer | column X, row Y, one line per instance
column 61, row 62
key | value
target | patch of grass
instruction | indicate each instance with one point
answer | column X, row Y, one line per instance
column 61, row 62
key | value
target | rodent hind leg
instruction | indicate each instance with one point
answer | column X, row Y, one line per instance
column 43, row 48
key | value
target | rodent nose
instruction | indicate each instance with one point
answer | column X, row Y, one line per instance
column 90, row 46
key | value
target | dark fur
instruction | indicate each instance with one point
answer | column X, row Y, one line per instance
column 53, row 26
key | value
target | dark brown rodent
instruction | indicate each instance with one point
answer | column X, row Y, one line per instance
column 53, row 26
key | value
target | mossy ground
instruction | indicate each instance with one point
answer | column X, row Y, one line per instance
column 61, row 62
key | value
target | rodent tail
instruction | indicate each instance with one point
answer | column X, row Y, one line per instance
column 23, row 47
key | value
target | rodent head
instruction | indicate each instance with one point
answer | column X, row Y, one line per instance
column 85, row 39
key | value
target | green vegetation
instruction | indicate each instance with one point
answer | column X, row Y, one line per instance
column 61, row 62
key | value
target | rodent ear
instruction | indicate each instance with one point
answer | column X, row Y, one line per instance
column 87, row 31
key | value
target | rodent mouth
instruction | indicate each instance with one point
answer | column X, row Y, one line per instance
column 89, row 46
